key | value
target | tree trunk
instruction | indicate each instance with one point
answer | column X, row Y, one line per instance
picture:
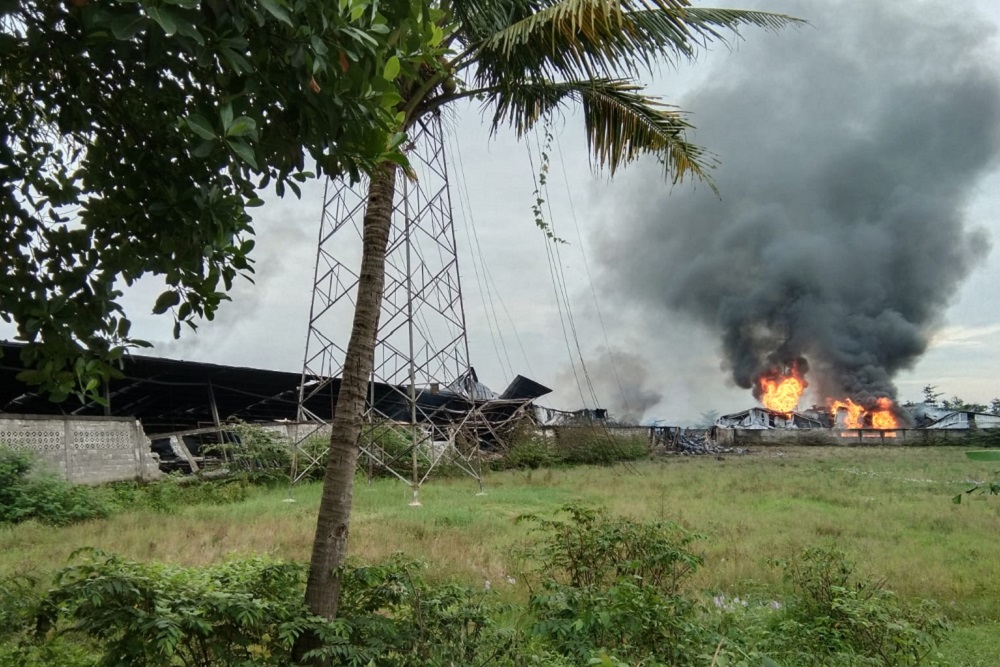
column 330, row 546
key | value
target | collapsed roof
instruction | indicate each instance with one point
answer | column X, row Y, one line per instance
column 169, row 395
column 762, row 418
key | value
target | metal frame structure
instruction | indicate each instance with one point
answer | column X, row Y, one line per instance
column 422, row 344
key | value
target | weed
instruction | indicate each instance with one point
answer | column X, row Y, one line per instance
column 593, row 444
column 611, row 586
column 570, row 445
column 27, row 492
column 250, row 612
column 257, row 455
column 835, row 615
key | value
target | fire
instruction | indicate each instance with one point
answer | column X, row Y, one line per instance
column 855, row 412
column 882, row 416
column 782, row 395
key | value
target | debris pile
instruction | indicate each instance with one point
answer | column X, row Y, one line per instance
column 690, row 442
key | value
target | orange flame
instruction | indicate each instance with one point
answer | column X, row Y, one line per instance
column 855, row 413
column 782, row 395
column 882, row 416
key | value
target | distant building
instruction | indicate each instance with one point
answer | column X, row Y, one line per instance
column 965, row 420
column 762, row 418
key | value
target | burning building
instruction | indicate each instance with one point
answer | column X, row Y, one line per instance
column 780, row 389
column 841, row 234
column 762, row 418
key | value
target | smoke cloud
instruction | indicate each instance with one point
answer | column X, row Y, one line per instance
column 624, row 379
column 620, row 381
column 849, row 150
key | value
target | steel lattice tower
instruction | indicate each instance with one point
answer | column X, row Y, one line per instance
column 422, row 343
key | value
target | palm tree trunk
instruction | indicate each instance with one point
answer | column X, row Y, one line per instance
column 330, row 545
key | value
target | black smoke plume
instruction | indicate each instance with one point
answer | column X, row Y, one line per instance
column 849, row 151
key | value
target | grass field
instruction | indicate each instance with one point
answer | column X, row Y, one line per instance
column 888, row 508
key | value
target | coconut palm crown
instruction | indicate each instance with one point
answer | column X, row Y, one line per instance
column 523, row 59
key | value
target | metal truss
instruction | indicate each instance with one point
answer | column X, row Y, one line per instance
column 421, row 346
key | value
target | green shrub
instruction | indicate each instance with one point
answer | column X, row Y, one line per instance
column 394, row 444
column 571, row 445
column 314, row 448
column 398, row 620
column 28, row 492
column 250, row 612
column 19, row 599
column 614, row 587
column 531, row 451
column 240, row 613
column 258, row 455
column 595, row 445
column 55, row 652
column 836, row 617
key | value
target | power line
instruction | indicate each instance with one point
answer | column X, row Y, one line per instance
column 552, row 275
column 472, row 234
column 561, row 282
column 590, row 279
column 488, row 275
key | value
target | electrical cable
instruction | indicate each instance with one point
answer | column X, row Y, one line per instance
column 590, row 279
column 473, row 233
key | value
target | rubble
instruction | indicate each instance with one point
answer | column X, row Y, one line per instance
column 690, row 442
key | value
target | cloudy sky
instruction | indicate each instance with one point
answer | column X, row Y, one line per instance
column 789, row 116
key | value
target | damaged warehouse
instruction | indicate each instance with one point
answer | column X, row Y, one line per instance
column 921, row 424
column 159, row 415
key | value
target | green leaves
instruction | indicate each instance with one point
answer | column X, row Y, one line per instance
column 127, row 26
column 242, row 126
column 243, row 150
column 575, row 39
column 200, row 126
column 223, row 98
column 391, row 70
column 529, row 59
column 166, row 301
column 163, row 17
column 277, row 11
column 621, row 122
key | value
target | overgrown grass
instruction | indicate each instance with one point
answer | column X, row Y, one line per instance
column 586, row 444
column 888, row 509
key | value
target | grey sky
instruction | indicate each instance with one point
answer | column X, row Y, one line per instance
column 678, row 358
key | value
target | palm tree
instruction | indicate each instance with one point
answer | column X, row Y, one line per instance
column 523, row 59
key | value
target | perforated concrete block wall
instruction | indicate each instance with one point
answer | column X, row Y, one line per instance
column 84, row 450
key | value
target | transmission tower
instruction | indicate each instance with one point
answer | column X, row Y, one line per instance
column 421, row 345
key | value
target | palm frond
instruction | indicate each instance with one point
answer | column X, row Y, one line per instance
column 481, row 19
column 621, row 123
column 575, row 39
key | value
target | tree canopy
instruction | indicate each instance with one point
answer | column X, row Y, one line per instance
column 136, row 135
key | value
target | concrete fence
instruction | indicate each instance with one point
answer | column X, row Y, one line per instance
column 906, row 437
column 83, row 450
